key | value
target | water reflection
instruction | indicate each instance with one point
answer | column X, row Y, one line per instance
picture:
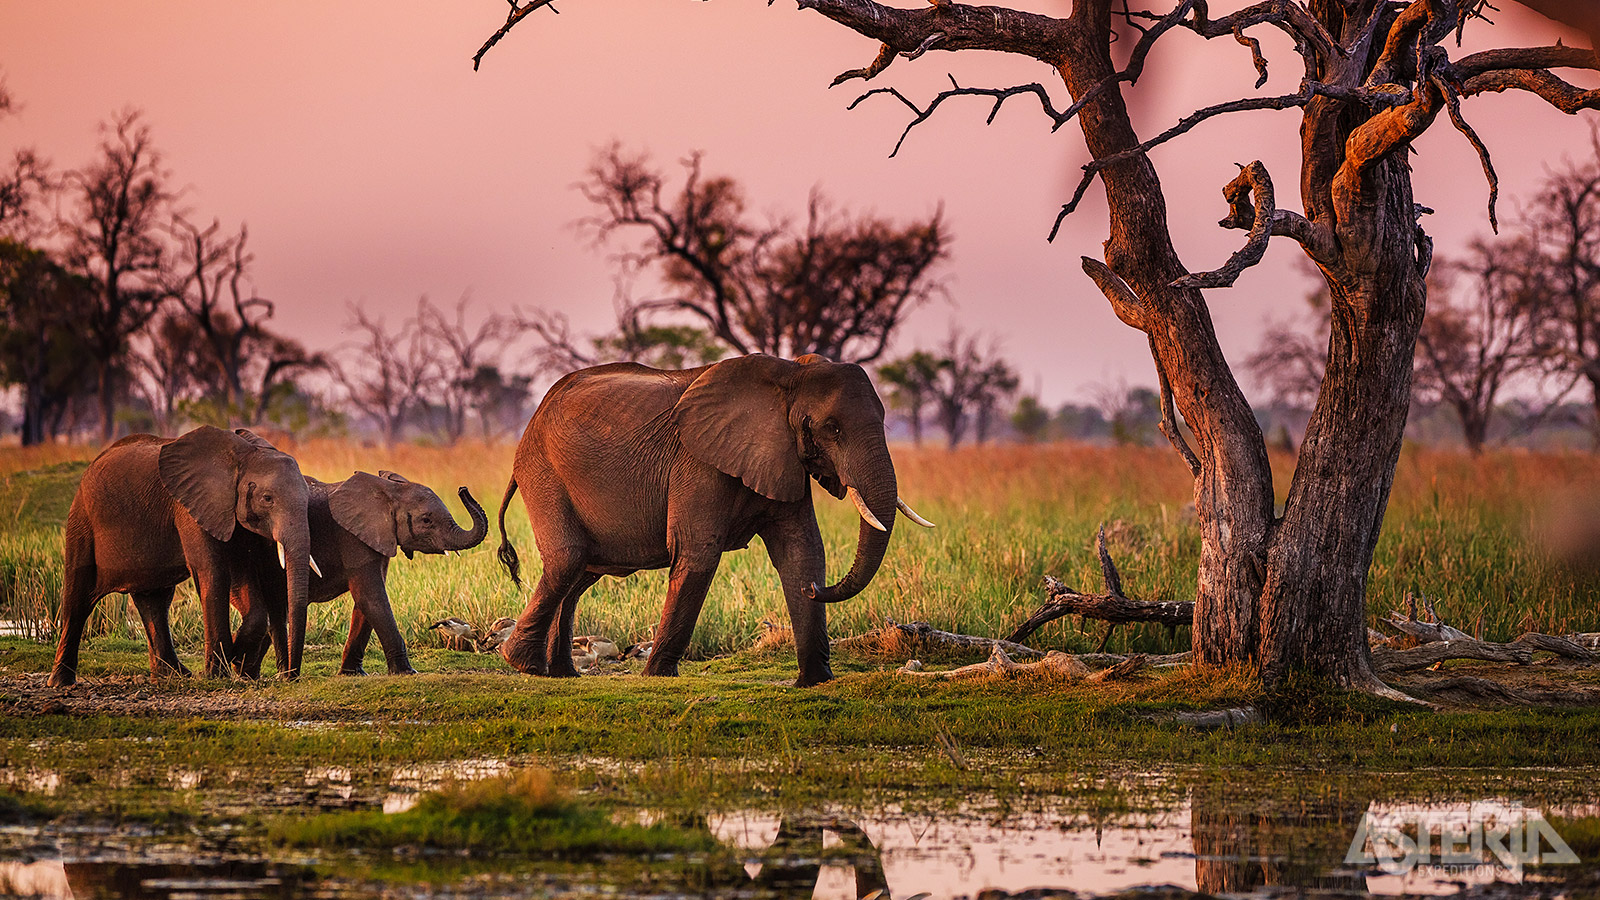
column 1211, row 841
column 56, row 879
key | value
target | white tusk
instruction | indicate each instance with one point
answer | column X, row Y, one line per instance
column 911, row 513
column 313, row 560
column 281, row 563
column 861, row 507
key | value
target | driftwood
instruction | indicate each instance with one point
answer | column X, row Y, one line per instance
column 1387, row 660
column 1111, row 606
column 1566, row 647
column 1424, row 630
column 893, row 636
column 1216, row 718
column 1519, row 651
column 1484, row 689
column 1055, row 664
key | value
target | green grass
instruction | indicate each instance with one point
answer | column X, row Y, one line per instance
column 1458, row 531
column 525, row 813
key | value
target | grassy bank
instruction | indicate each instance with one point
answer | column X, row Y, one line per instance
column 1458, row 531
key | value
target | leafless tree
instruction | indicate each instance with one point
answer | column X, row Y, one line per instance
column 839, row 285
column 386, row 375
column 463, row 355
column 967, row 386
column 114, row 235
column 1565, row 223
column 1481, row 337
column 240, row 362
column 1280, row 593
column 23, row 185
column 42, row 349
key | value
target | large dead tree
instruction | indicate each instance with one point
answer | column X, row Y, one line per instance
column 1285, row 592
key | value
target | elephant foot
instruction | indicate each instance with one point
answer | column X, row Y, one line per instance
column 407, row 670
column 812, row 679
column 164, row 669
column 566, row 671
column 356, row 672
column 63, row 678
column 662, row 667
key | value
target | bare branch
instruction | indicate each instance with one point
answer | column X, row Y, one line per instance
column 1558, row 93
column 1452, row 101
column 1169, row 419
column 1251, row 179
column 1124, row 302
column 886, row 55
column 517, row 14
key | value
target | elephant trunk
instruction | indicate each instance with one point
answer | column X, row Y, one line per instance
column 463, row 538
column 873, row 481
column 295, row 541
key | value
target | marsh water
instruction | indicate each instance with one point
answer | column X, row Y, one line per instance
column 1156, row 837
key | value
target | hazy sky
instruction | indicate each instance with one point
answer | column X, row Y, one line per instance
column 372, row 164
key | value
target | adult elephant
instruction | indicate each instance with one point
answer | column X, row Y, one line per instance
column 357, row 526
column 625, row 467
column 151, row 512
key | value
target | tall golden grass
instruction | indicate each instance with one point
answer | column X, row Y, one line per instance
column 1459, row 530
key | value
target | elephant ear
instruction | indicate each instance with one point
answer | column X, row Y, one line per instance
column 362, row 506
column 201, row 471
column 735, row 418
column 255, row 440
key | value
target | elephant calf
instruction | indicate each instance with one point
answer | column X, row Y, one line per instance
column 625, row 467
column 357, row 525
column 151, row 512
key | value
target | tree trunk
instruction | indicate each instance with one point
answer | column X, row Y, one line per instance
column 1233, row 489
column 108, row 402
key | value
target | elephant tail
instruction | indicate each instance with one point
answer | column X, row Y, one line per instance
column 508, row 553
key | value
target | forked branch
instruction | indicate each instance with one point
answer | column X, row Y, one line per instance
column 517, row 14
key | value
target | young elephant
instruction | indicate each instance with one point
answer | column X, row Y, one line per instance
column 357, row 525
column 625, row 467
column 150, row 512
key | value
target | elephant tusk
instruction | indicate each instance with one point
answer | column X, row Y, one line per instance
column 313, row 560
column 861, row 507
column 281, row 563
column 912, row 514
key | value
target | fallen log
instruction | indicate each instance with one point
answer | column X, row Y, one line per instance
column 904, row 639
column 1387, row 660
column 1425, row 631
column 1560, row 646
column 1111, row 606
column 1055, row 664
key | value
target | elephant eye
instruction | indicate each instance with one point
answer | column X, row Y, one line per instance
column 830, row 428
column 267, row 499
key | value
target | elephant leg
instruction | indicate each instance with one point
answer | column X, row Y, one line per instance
column 355, row 646
column 372, row 606
column 154, row 611
column 78, row 597
column 560, row 648
column 686, row 593
column 528, row 649
column 250, row 641
column 795, row 548
column 213, row 581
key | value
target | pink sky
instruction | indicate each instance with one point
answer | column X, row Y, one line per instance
column 372, row 164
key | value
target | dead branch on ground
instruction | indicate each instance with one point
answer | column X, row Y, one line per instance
column 1055, row 664
column 1111, row 606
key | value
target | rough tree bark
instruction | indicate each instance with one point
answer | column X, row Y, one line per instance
column 1283, row 594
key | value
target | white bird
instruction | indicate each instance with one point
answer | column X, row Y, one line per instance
column 454, row 630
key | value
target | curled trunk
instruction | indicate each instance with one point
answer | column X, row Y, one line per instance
column 878, row 488
column 466, row 539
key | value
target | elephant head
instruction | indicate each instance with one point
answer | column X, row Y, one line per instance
column 772, row 423
column 387, row 513
column 228, row 479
